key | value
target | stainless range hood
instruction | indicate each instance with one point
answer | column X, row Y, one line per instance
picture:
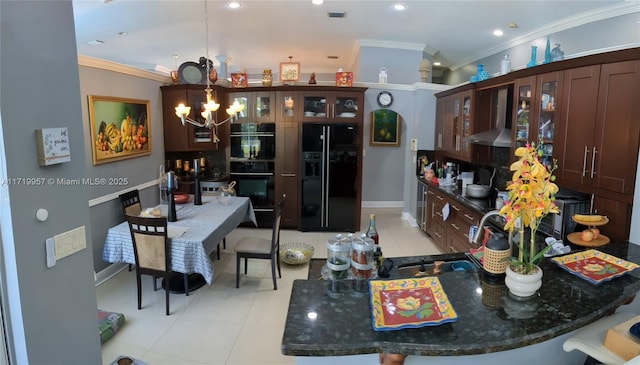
column 499, row 135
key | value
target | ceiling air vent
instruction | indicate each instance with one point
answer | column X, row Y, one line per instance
column 336, row 14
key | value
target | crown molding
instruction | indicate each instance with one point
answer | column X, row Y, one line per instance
column 120, row 68
column 624, row 8
column 395, row 45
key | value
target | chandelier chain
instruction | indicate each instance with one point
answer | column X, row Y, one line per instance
column 206, row 36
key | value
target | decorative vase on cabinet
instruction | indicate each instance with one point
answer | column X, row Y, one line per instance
column 267, row 78
column 534, row 52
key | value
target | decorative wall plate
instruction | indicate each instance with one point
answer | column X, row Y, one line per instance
column 409, row 303
column 192, row 73
column 594, row 266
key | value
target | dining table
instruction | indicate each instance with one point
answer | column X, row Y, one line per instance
column 195, row 234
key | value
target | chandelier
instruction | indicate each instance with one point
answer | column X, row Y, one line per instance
column 210, row 107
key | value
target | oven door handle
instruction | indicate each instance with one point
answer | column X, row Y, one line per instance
column 252, row 173
column 262, row 210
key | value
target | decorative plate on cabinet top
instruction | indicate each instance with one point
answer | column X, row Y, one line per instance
column 594, row 266
column 409, row 303
column 192, row 73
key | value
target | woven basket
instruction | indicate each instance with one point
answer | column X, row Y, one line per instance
column 296, row 253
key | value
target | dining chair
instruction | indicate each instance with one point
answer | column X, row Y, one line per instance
column 262, row 248
column 131, row 205
column 131, row 202
column 213, row 188
column 152, row 253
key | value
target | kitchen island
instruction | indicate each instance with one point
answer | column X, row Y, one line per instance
column 325, row 321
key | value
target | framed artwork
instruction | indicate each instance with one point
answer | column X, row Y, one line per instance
column 120, row 128
column 385, row 128
column 344, row 78
column 289, row 71
column 239, row 79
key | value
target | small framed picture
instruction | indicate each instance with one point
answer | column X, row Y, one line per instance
column 238, row 79
column 344, row 78
column 289, row 71
column 385, row 128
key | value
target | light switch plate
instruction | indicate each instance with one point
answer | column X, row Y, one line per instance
column 414, row 144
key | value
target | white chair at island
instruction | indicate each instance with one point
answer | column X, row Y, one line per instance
column 590, row 340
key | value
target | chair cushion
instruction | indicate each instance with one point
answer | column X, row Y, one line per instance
column 254, row 245
column 108, row 324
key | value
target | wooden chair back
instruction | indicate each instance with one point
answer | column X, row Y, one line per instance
column 131, row 203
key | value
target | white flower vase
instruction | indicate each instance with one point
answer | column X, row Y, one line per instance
column 522, row 285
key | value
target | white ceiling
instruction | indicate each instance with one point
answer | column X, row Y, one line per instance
column 263, row 33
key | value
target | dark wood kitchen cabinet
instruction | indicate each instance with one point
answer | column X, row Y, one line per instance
column 179, row 138
column 287, row 155
column 259, row 106
column 537, row 111
column 450, row 235
column 600, row 130
column 325, row 104
column 454, row 122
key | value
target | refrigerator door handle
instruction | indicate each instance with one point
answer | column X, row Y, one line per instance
column 327, row 161
column 323, row 179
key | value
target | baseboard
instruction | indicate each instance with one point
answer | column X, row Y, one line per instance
column 109, row 272
column 382, row 204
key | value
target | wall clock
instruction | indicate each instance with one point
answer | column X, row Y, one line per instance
column 385, row 99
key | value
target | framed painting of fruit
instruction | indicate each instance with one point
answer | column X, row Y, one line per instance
column 120, row 128
column 385, row 128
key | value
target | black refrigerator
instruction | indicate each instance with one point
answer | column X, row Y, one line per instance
column 329, row 173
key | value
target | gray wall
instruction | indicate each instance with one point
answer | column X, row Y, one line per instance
column 51, row 312
column 613, row 33
column 401, row 64
column 140, row 171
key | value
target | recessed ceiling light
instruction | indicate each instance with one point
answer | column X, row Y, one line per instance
column 513, row 25
column 498, row 32
column 95, row 42
column 317, row 2
column 399, row 7
column 233, row 5
column 437, row 63
column 123, row 33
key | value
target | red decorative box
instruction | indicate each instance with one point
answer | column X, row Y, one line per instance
column 238, row 79
column 344, row 78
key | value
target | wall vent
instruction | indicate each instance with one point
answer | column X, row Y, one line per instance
column 336, row 14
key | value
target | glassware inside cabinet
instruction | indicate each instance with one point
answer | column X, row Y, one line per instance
column 315, row 106
column 523, row 115
column 457, row 132
column 547, row 119
column 466, row 122
column 346, row 107
column 288, row 106
column 263, row 107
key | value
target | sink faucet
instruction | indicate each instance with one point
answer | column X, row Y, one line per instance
column 476, row 237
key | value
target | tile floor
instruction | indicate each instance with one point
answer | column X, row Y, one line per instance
column 222, row 325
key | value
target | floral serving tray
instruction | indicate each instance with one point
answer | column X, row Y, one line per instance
column 409, row 303
column 595, row 266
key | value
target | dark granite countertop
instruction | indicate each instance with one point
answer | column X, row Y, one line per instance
column 489, row 319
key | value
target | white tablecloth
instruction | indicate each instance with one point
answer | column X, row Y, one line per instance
column 203, row 227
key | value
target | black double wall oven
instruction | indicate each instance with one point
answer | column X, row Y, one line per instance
column 252, row 162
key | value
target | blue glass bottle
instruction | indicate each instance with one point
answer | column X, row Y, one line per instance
column 533, row 62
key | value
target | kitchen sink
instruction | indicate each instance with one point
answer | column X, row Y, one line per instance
column 436, row 267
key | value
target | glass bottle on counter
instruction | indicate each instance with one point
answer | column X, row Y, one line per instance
column 372, row 233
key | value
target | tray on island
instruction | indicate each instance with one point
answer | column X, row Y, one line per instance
column 594, row 266
column 409, row 303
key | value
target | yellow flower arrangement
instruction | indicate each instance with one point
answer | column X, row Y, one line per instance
column 531, row 197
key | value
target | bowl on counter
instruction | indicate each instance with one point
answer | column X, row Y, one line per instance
column 477, row 191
